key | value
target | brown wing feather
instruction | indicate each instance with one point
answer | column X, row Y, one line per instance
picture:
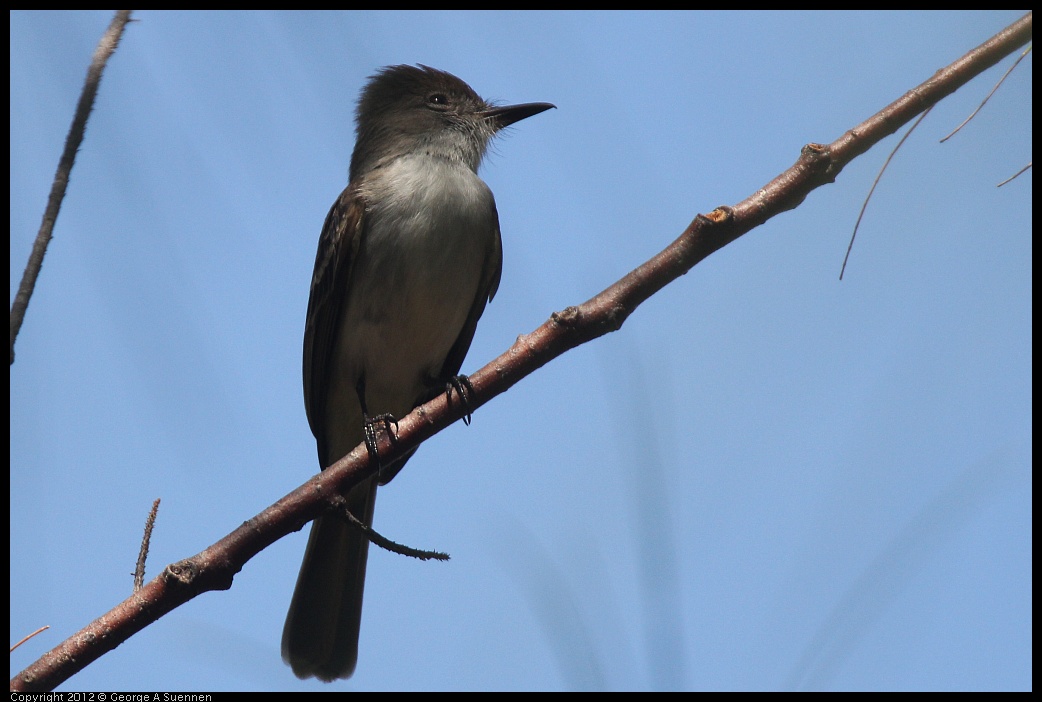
column 337, row 249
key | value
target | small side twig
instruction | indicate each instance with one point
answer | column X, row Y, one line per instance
column 385, row 543
column 142, row 556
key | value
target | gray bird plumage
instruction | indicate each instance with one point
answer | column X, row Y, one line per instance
column 409, row 256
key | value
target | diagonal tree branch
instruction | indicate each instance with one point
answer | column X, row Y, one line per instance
column 215, row 567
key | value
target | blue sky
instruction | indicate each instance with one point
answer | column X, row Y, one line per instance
column 767, row 479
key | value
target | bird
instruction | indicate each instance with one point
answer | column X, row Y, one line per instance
column 409, row 255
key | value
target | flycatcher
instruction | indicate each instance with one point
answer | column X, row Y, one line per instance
column 408, row 257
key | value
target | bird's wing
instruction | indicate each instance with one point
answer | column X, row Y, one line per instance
column 337, row 253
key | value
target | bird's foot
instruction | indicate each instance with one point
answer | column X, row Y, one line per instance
column 460, row 384
column 372, row 435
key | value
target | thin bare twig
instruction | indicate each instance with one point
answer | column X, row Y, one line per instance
column 875, row 182
column 25, row 638
column 985, row 100
column 106, row 47
column 1013, row 176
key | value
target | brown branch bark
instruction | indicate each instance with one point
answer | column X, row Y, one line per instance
column 214, row 568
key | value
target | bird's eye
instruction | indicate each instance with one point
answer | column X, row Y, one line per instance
column 438, row 100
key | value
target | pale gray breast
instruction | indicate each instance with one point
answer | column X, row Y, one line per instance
column 429, row 232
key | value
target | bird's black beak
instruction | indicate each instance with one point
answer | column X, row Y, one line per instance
column 506, row 115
